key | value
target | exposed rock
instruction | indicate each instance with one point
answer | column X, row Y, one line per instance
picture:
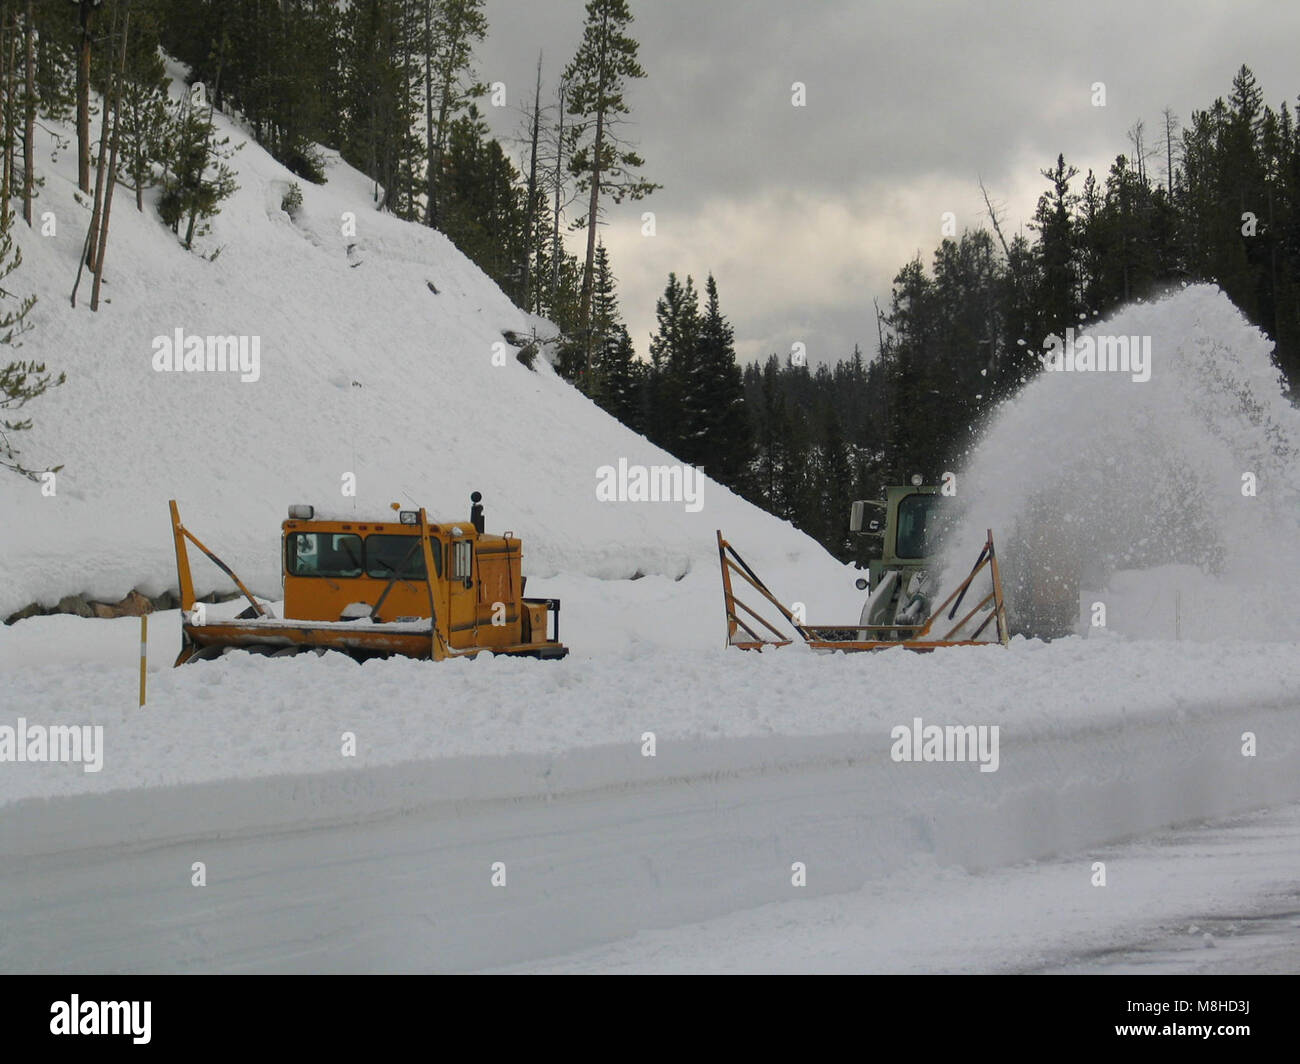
column 32, row 609
column 133, row 605
column 74, row 604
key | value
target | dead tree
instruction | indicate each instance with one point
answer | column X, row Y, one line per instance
column 29, row 125
column 87, row 15
column 116, row 92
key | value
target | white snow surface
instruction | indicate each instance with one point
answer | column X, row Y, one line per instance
column 1153, row 916
column 244, row 716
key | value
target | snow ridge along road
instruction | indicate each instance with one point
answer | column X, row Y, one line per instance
column 389, row 867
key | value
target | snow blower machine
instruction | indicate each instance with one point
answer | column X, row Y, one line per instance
column 371, row 587
column 899, row 610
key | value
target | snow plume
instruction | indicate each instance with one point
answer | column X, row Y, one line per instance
column 1176, row 497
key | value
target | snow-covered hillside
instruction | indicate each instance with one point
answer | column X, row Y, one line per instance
column 364, row 370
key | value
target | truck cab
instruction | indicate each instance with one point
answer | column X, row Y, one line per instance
column 347, row 568
column 908, row 523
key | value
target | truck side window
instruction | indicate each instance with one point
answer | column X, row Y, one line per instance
column 324, row 554
column 460, row 567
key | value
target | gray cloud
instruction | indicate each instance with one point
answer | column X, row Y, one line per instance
column 805, row 214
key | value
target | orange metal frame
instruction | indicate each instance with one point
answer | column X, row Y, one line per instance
column 821, row 636
column 416, row 640
column 289, row 633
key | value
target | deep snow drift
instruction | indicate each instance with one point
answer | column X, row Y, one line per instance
column 364, row 370
column 1178, row 497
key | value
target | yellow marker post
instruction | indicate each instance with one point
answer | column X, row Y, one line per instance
column 144, row 652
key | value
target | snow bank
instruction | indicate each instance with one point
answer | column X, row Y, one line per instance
column 386, row 866
column 245, row 717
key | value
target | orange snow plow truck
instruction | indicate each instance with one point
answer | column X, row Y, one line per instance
column 372, row 587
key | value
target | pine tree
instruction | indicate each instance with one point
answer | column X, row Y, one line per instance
column 379, row 99
column 143, row 110
column 451, row 29
column 677, row 416
column 616, row 366
column 56, row 61
column 727, row 443
column 606, row 323
column 88, row 12
column 624, row 376
column 196, row 178
column 603, row 163
column 483, row 209
column 774, row 430
column 1056, row 252
column 913, row 391
column 20, row 381
column 833, row 488
column 793, row 479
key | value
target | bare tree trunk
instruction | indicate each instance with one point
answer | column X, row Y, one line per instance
column 29, row 126
column 112, row 161
column 139, row 172
column 6, row 112
column 454, row 33
column 555, row 220
column 531, row 241
column 194, row 195
column 92, row 250
column 440, row 148
column 429, row 176
column 214, row 103
column 86, row 16
column 10, row 48
column 1170, row 122
column 92, row 235
column 593, row 207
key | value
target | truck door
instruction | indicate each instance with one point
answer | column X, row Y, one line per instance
column 462, row 614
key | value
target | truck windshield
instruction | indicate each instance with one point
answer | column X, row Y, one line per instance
column 918, row 521
column 386, row 555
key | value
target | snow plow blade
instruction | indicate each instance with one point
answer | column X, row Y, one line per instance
column 947, row 626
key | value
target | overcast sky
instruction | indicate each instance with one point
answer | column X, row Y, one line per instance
column 804, row 214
